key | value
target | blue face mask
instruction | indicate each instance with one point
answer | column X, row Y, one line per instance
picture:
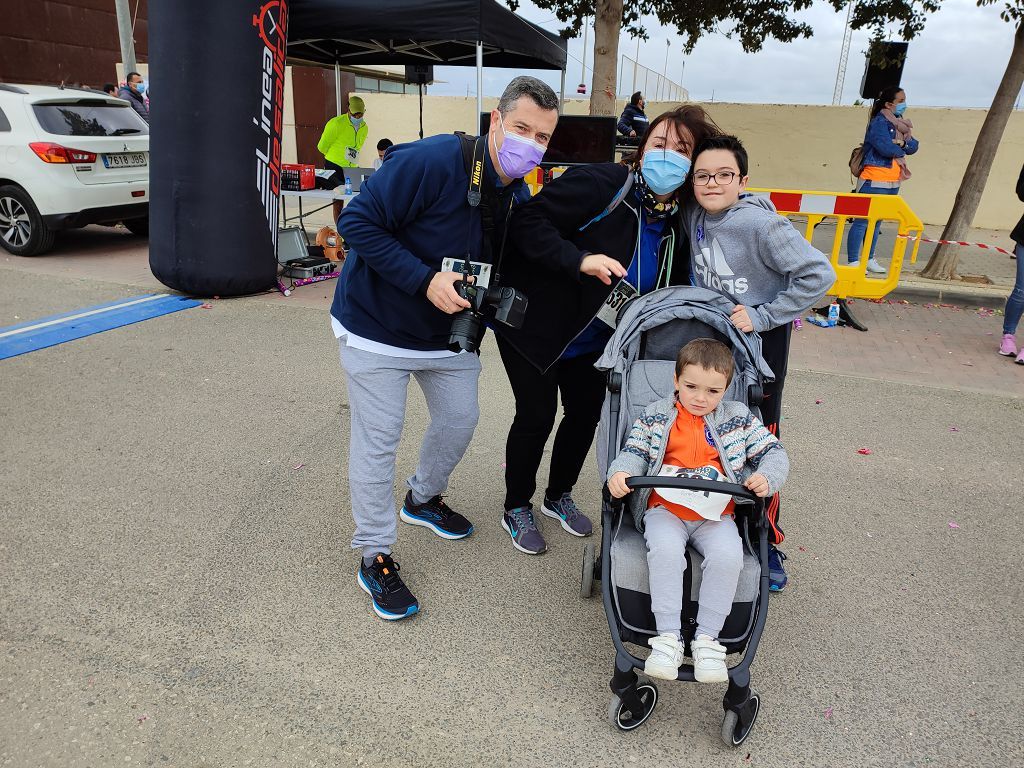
column 356, row 121
column 900, row 109
column 664, row 170
column 140, row 87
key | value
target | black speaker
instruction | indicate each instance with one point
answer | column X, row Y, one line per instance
column 883, row 67
column 419, row 74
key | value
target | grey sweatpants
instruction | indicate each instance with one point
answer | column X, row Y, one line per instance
column 718, row 541
column 377, row 388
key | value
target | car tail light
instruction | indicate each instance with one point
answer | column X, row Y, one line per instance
column 55, row 153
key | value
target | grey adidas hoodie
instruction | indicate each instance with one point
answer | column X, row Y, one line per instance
column 756, row 258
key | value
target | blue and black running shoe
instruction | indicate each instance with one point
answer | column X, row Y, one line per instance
column 392, row 600
column 436, row 516
column 777, row 578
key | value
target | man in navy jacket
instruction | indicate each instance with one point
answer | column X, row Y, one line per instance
column 392, row 315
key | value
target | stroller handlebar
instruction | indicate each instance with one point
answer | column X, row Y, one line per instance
column 691, row 484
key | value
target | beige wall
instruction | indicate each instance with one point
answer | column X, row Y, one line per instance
column 791, row 146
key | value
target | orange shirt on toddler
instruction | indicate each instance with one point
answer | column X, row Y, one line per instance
column 690, row 446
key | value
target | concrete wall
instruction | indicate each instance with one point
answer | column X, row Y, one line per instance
column 791, row 146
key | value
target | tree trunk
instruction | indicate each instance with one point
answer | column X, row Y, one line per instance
column 942, row 264
column 607, row 24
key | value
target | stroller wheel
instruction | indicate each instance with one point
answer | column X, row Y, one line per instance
column 736, row 728
column 623, row 718
column 587, row 578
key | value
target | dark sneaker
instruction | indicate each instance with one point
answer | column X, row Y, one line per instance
column 521, row 526
column 392, row 600
column 568, row 514
column 777, row 578
column 437, row 517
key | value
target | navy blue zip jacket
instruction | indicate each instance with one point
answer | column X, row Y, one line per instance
column 409, row 216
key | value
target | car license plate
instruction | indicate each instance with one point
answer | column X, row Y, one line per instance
column 125, row 160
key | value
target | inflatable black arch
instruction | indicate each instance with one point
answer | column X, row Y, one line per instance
column 216, row 115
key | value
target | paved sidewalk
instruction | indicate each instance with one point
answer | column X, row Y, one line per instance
column 924, row 343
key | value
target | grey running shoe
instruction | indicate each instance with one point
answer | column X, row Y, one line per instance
column 568, row 514
column 521, row 526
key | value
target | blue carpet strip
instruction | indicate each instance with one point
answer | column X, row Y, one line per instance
column 68, row 326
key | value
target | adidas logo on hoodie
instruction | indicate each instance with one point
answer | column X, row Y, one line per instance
column 710, row 263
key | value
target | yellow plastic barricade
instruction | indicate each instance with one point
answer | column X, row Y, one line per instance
column 853, row 281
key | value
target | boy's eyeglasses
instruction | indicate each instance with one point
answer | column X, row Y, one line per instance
column 722, row 178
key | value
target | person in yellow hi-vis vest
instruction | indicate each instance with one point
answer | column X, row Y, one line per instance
column 342, row 139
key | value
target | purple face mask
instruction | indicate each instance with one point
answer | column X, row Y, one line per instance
column 517, row 156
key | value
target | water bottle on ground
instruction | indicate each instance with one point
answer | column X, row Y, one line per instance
column 833, row 314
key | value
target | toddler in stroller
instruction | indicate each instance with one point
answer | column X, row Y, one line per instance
column 695, row 434
column 702, row 582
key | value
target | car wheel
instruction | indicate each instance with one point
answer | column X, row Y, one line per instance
column 138, row 227
column 22, row 231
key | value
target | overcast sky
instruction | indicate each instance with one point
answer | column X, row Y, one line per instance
column 956, row 62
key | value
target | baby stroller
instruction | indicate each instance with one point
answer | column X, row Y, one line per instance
column 640, row 363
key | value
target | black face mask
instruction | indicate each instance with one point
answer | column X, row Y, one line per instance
column 652, row 207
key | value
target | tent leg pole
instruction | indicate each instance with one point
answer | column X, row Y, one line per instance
column 337, row 86
column 479, row 80
column 561, row 96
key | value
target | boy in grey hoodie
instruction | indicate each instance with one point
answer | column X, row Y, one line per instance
column 741, row 248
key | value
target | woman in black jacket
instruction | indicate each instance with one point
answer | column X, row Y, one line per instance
column 573, row 242
column 1015, row 301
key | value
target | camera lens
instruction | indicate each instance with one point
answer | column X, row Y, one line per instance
column 467, row 328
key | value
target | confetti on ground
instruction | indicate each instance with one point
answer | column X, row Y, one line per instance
column 828, row 713
column 142, row 719
column 864, row 451
column 954, row 524
column 802, row 549
column 871, row 535
column 954, row 429
column 503, row 465
column 298, row 467
column 747, row 758
column 969, row 364
column 206, row 306
column 818, row 402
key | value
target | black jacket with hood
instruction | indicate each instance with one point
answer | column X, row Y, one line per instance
column 547, row 239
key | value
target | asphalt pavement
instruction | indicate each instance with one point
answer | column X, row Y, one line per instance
column 178, row 589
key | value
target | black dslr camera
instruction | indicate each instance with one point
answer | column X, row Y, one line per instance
column 509, row 307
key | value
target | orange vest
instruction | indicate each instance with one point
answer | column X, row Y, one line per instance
column 877, row 173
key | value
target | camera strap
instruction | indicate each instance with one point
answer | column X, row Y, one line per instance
column 482, row 196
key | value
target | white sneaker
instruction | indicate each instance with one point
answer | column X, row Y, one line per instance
column 665, row 658
column 874, row 266
column 708, row 660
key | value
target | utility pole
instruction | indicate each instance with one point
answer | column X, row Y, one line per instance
column 124, row 32
column 664, row 70
column 583, row 67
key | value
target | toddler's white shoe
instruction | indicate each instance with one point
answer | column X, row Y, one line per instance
column 708, row 660
column 666, row 655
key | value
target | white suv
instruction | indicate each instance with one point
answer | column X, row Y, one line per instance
column 68, row 157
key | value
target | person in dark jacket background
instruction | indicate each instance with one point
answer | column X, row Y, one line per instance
column 633, row 122
column 392, row 314
column 1015, row 301
column 589, row 229
column 132, row 92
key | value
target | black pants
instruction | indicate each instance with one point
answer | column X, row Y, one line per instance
column 582, row 389
column 775, row 350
